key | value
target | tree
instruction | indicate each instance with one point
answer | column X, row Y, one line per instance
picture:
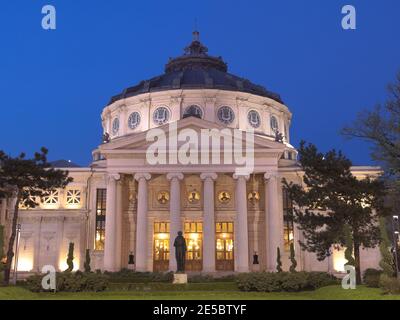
column 387, row 262
column 381, row 127
column 331, row 197
column 87, row 261
column 348, row 252
column 70, row 257
column 278, row 260
column 27, row 181
column 292, row 258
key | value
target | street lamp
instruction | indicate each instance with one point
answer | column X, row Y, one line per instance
column 396, row 231
column 16, row 253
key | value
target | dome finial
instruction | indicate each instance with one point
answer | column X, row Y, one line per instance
column 196, row 36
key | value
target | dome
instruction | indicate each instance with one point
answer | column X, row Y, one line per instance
column 195, row 69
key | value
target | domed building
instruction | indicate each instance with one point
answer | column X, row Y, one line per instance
column 151, row 178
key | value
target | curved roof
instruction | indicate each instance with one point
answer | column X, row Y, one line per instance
column 195, row 69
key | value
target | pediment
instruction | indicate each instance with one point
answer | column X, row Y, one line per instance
column 138, row 142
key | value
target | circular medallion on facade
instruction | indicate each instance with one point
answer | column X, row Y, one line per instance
column 253, row 197
column 161, row 115
column 134, row 120
column 224, row 197
column 274, row 124
column 254, row 118
column 226, row 115
column 115, row 126
column 163, row 197
column 193, row 111
column 193, row 196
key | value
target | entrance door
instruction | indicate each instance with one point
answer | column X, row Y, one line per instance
column 224, row 246
column 194, row 246
column 161, row 247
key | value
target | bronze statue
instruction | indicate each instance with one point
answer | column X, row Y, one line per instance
column 180, row 252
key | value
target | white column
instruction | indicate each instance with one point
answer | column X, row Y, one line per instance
column 208, row 222
column 175, row 215
column 118, row 228
column 273, row 219
column 141, row 223
column 241, row 228
column 110, row 235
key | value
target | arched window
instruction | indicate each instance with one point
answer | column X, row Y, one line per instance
column 274, row 124
column 193, row 111
column 115, row 126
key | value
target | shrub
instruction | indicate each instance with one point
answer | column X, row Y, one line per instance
column 320, row 279
column 283, row 281
column 70, row 257
column 278, row 260
column 87, row 261
column 387, row 262
column 149, row 287
column 200, row 278
column 130, row 276
column 70, row 282
column 292, row 258
column 371, row 277
column 389, row 285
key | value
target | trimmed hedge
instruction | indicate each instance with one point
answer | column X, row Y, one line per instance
column 130, row 276
column 284, row 281
column 371, row 277
column 205, row 278
column 70, row 282
column 149, row 287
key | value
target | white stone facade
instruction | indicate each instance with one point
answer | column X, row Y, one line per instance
column 227, row 219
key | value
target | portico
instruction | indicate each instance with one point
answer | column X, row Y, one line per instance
column 228, row 221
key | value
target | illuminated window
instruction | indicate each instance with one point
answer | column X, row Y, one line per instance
column 288, row 227
column 51, row 197
column 194, row 240
column 161, row 247
column 224, row 246
column 101, row 198
column 73, row 197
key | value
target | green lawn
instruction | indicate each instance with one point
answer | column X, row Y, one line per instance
column 326, row 293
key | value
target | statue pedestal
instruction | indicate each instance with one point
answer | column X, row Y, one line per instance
column 180, row 278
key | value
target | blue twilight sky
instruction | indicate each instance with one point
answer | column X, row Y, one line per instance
column 54, row 84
